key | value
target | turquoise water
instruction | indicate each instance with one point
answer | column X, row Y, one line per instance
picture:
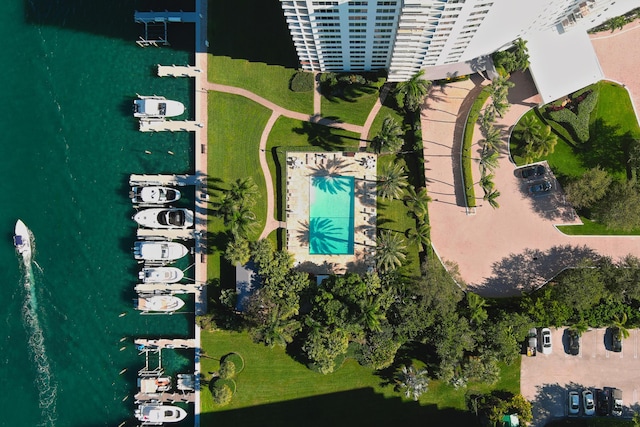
column 331, row 207
column 69, row 72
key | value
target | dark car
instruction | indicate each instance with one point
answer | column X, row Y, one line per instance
column 603, row 402
column 533, row 171
column 616, row 340
column 574, row 342
column 540, row 188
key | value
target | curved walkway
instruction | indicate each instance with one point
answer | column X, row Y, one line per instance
column 272, row 223
column 500, row 252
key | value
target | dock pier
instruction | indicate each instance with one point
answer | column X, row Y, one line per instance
column 167, row 288
column 178, row 71
column 168, row 234
column 170, row 180
column 162, row 343
column 155, row 125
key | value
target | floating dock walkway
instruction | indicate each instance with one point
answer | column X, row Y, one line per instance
column 178, row 71
column 155, row 125
column 163, row 343
column 186, row 397
column 162, row 234
column 167, row 288
column 177, row 180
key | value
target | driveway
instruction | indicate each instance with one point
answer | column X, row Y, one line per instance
column 504, row 251
column 545, row 380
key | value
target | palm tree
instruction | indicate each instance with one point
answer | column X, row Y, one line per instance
column 477, row 312
column 486, row 182
column 411, row 94
column 522, row 54
column 413, row 382
column 486, row 119
column 417, row 201
column 371, row 313
column 529, row 128
column 392, row 181
column 244, row 190
column 489, row 159
column 238, row 251
column 617, row 23
column 619, row 324
column 492, row 139
column 390, row 136
column 241, row 221
column 421, row 235
column 546, row 141
column 492, row 198
column 390, row 251
column 277, row 331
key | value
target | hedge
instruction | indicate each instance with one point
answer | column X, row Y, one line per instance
column 467, row 141
column 577, row 123
column 302, row 81
column 236, row 359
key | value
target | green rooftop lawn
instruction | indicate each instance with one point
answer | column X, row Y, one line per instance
column 274, row 389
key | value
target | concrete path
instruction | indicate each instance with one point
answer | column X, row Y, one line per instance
column 500, row 252
column 364, row 136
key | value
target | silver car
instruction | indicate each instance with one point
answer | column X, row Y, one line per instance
column 588, row 402
column 546, row 340
column 574, row 403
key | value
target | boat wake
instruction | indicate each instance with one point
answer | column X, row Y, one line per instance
column 47, row 388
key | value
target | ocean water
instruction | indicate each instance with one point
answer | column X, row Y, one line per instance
column 69, row 70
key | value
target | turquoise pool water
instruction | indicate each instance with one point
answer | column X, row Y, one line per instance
column 331, row 206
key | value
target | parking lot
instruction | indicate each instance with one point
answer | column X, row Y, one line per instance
column 547, row 379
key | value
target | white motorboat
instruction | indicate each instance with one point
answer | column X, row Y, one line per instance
column 164, row 218
column 157, row 107
column 22, row 240
column 159, row 251
column 160, row 414
column 154, row 195
column 161, row 275
column 159, row 303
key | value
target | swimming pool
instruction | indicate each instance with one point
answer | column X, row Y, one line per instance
column 331, row 206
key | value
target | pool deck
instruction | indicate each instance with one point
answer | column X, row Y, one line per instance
column 301, row 167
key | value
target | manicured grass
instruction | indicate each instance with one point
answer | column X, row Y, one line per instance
column 394, row 215
column 268, row 81
column 593, row 228
column 274, row 389
column 232, row 154
column 385, row 111
column 355, row 109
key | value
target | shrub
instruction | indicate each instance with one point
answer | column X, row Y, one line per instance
column 302, row 81
column 222, row 391
column 576, row 123
column 236, row 359
column 227, row 369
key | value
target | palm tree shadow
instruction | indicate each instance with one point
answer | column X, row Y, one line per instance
column 325, row 137
column 321, row 235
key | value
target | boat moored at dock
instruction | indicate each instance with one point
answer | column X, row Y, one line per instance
column 164, row 218
column 153, row 195
column 159, row 251
column 158, row 414
column 161, row 275
column 156, row 107
column 159, row 303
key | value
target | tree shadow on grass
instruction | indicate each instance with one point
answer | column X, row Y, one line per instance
column 607, row 148
column 361, row 406
column 531, row 268
column 325, row 137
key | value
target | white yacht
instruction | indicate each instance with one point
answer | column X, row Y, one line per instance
column 154, row 413
column 161, row 275
column 159, row 303
column 159, row 251
column 154, row 195
column 164, row 218
column 157, row 107
column 22, row 240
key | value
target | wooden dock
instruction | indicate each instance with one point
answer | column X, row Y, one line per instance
column 166, row 16
column 171, row 180
column 151, row 125
column 171, row 288
column 178, row 71
column 171, row 234
column 185, row 397
column 163, row 343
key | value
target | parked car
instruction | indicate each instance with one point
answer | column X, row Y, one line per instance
column 540, row 188
column 588, row 403
column 533, row 171
column 574, row 342
column 616, row 340
column 616, row 409
column 546, row 340
column 603, row 401
column 532, row 342
column 574, row 403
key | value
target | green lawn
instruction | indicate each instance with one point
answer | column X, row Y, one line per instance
column 355, row 107
column 593, row 228
column 232, row 154
column 385, row 111
column 274, row 389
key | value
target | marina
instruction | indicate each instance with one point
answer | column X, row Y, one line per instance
column 178, row 71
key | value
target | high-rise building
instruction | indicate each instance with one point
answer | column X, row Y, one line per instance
column 450, row 37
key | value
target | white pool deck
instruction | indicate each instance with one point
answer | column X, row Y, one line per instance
column 301, row 167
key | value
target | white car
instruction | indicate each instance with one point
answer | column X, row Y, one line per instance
column 588, row 402
column 574, row 403
column 546, row 341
